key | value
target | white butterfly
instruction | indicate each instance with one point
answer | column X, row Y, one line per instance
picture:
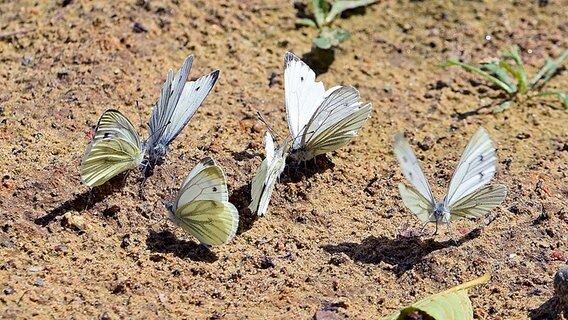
column 320, row 121
column 269, row 171
column 116, row 146
column 466, row 198
column 202, row 205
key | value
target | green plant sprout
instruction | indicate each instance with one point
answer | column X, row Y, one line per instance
column 513, row 79
column 323, row 15
column 452, row 304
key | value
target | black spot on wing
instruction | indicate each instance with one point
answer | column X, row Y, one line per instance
column 302, row 78
column 197, row 89
column 214, row 189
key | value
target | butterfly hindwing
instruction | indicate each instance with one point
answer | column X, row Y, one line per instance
column 416, row 202
column 336, row 121
column 211, row 222
column 478, row 203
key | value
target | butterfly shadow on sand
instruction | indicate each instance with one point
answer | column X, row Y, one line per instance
column 166, row 242
column 84, row 200
column 403, row 253
column 241, row 198
column 295, row 170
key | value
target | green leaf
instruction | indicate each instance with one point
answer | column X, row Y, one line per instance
column 329, row 38
column 323, row 42
column 339, row 6
column 321, row 8
column 561, row 95
column 452, row 304
column 520, row 72
column 306, row 22
column 482, row 73
column 548, row 70
column 500, row 73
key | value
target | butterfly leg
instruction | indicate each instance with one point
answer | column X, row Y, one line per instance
column 88, row 199
column 423, row 228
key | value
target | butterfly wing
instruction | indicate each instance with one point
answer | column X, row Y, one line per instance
column 411, row 168
column 165, row 108
column 335, row 122
column 476, row 168
column 265, row 179
column 202, row 207
column 302, row 94
column 193, row 95
column 115, row 148
column 477, row 204
column 416, row 203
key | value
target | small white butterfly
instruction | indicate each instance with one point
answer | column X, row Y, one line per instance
column 466, row 198
column 320, row 121
column 269, row 171
column 116, row 146
column 202, row 205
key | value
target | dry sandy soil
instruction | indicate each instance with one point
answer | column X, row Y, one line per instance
column 334, row 237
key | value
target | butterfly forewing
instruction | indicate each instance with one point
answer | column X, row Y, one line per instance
column 478, row 203
column 113, row 124
column 205, row 182
column 476, row 167
column 115, row 148
column 193, row 95
column 165, row 108
column 411, row 168
column 302, row 93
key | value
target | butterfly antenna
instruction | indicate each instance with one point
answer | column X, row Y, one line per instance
column 272, row 131
column 139, row 112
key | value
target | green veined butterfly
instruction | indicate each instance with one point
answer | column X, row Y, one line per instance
column 202, row 205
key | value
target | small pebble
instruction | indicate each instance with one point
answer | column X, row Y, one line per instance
column 39, row 282
column 35, row 268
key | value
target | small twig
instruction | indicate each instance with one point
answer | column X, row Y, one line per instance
column 11, row 34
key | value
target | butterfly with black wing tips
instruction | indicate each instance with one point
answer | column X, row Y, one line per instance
column 320, row 121
column 202, row 205
column 268, row 173
column 116, row 146
column 467, row 196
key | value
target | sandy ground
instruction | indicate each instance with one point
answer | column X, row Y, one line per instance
column 333, row 237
